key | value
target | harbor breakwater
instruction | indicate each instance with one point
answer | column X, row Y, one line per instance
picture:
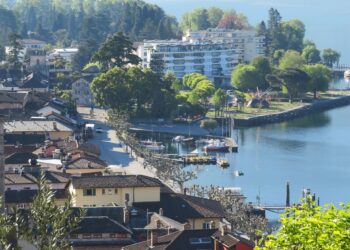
column 310, row 108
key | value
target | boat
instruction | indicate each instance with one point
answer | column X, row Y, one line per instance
column 181, row 138
column 155, row 147
column 223, row 163
column 238, row 173
column 216, row 146
column 347, row 73
column 199, row 160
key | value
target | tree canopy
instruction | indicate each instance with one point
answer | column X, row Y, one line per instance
column 320, row 76
column 213, row 17
column 308, row 226
column 116, row 51
column 330, row 57
column 245, row 78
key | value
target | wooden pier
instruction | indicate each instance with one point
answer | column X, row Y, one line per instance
column 232, row 144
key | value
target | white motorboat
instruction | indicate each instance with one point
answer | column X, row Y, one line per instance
column 347, row 73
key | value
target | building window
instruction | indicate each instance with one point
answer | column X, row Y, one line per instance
column 97, row 236
column 86, row 236
column 127, row 197
column 103, row 191
column 89, row 192
column 116, row 191
column 122, row 236
column 206, row 225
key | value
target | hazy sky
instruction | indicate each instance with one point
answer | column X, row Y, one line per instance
column 327, row 22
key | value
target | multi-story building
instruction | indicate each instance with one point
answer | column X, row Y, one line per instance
column 214, row 52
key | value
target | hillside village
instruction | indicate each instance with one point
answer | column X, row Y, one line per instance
column 44, row 133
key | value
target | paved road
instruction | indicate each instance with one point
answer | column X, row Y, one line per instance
column 111, row 149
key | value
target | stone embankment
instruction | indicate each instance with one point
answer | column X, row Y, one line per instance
column 316, row 106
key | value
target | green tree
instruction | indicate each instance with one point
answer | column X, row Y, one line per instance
column 116, row 51
column 209, row 124
column 49, row 224
column 293, row 32
column 291, row 59
column 311, row 54
column 330, row 57
column 157, row 64
column 245, row 78
column 112, row 89
column 191, row 80
column 308, row 226
column 293, row 81
column 14, row 52
column 277, row 56
column 219, row 100
column 274, row 37
column 320, row 76
column 261, row 29
column 263, row 67
column 173, row 81
column 214, row 16
column 195, row 20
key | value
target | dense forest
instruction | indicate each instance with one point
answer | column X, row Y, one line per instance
column 65, row 22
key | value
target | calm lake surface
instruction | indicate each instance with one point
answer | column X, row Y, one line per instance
column 311, row 152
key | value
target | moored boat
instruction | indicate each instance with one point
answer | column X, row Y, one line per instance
column 223, row 163
column 347, row 73
column 216, row 146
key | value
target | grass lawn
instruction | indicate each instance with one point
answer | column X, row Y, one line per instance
column 275, row 107
column 278, row 106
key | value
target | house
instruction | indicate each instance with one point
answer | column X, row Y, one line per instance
column 184, row 240
column 113, row 189
column 100, row 232
column 51, row 129
column 24, row 198
column 225, row 240
column 13, row 101
column 15, row 161
column 20, row 140
column 81, row 91
column 84, row 164
column 35, row 82
column 22, row 186
column 32, row 44
column 51, row 107
column 28, row 179
column 53, row 116
column 199, row 213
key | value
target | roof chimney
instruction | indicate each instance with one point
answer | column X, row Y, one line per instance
column 126, row 215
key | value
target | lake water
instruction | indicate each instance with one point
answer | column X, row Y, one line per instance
column 311, row 152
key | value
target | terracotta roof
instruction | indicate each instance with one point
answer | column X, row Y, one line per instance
column 84, row 162
column 33, row 177
column 35, row 126
column 114, row 181
column 12, row 97
column 186, row 240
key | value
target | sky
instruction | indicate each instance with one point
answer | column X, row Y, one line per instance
column 327, row 22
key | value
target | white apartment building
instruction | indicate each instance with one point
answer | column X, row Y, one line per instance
column 213, row 53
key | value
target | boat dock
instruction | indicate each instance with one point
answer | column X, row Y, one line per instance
column 232, row 144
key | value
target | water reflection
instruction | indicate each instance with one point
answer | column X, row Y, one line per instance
column 310, row 121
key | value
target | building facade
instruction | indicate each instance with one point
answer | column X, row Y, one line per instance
column 81, row 91
column 214, row 52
